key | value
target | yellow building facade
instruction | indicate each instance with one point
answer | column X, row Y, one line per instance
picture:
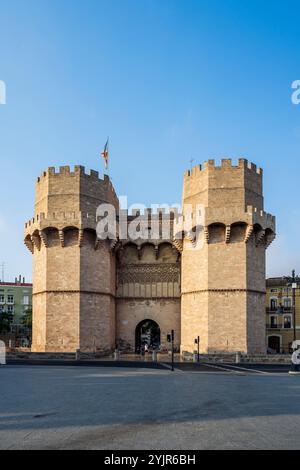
column 280, row 326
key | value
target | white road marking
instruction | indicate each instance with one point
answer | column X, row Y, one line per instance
column 221, row 368
column 246, row 370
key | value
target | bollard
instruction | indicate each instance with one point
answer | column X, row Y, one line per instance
column 77, row 355
column 154, row 356
column 116, row 355
column 195, row 357
column 238, row 358
column 2, row 353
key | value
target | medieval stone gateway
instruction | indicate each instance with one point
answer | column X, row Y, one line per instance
column 91, row 294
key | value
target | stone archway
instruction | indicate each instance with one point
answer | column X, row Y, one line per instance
column 147, row 332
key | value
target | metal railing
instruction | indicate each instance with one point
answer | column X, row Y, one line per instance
column 279, row 310
column 279, row 326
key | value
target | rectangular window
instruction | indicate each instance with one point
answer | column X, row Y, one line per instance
column 273, row 304
column 287, row 322
column 273, row 322
column 25, row 299
column 1, row 309
column 10, row 309
column 10, row 299
column 287, row 302
column 1, row 299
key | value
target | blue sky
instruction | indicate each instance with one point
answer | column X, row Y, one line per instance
column 167, row 80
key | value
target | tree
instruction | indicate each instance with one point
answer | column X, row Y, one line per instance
column 5, row 322
column 27, row 318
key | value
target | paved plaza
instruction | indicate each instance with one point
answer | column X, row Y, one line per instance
column 78, row 407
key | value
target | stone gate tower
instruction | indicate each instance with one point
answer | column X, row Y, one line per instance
column 223, row 279
column 92, row 294
column 73, row 272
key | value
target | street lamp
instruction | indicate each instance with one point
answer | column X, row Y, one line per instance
column 293, row 283
column 197, row 341
column 170, row 339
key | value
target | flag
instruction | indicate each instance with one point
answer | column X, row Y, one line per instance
column 105, row 154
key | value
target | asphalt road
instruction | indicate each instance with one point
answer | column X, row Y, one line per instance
column 120, row 408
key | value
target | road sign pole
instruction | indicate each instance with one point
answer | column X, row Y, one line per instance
column 173, row 350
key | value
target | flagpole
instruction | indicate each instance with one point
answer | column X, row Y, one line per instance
column 108, row 157
column 108, row 173
column 105, row 155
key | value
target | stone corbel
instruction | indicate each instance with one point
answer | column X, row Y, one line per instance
column 227, row 233
column 260, row 236
column 249, row 232
column 29, row 244
column 97, row 243
column 113, row 244
column 61, row 236
column 206, row 234
column 80, row 237
column 139, row 251
column 190, row 236
column 270, row 238
column 35, row 243
column 156, row 252
column 178, row 245
column 43, row 238
column 120, row 253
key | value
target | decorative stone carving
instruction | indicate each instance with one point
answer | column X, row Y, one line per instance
column 148, row 273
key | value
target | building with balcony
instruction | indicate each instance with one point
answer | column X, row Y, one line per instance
column 280, row 315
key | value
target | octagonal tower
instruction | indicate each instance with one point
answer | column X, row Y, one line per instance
column 73, row 271
column 223, row 278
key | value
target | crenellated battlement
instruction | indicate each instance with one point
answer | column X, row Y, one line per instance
column 172, row 212
column 61, row 220
column 70, row 189
column 78, row 170
column 226, row 164
column 224, row 185
column 259, row 215
column 66, row 170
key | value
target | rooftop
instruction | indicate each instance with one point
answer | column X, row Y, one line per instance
column 16, row 284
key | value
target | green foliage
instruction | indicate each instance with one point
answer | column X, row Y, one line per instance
column 5, row 322
column 27, row 318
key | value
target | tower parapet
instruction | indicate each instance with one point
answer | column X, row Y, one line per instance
column 225, row 185
column 67, row 190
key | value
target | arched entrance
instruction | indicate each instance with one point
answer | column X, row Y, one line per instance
column 274, row 343
column 147, row 332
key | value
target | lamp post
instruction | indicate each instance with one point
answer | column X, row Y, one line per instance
column 197, row 341
column 170, row 339
column 293, row 283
